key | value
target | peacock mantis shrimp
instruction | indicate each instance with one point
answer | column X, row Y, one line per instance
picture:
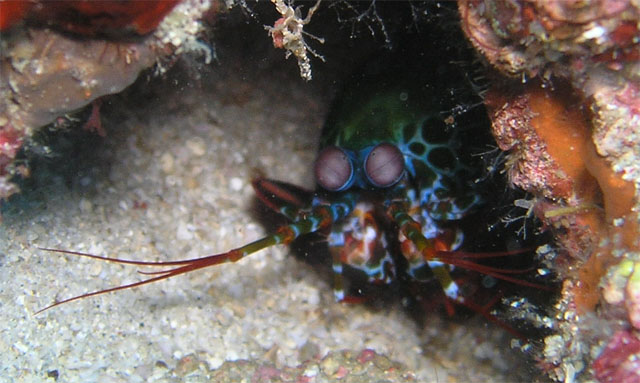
column 395, row 177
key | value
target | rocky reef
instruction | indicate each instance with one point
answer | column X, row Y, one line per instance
column 60, row 56
column 565, row 106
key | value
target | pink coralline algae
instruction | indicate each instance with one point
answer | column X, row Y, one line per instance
column 620, row 360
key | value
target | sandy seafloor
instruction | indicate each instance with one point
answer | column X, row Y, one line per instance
column 171, row 181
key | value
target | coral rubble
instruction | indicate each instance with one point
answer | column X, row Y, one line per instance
column 574, row 144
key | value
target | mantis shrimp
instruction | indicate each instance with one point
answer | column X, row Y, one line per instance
column 394, row 175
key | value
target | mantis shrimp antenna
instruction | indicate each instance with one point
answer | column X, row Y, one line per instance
column 319, row 218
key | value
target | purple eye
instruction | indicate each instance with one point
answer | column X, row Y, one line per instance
column 333, row 169
column 384, row 165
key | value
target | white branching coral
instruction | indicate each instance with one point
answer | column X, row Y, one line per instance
column 287, row 33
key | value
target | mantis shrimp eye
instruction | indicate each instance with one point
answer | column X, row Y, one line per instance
column 384, row 166
column 333, row 169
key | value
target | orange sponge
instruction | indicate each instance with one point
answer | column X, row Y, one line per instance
column 553, row 155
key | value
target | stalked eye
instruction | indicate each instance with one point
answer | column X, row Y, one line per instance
column 333, row 169
column 384, row 165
